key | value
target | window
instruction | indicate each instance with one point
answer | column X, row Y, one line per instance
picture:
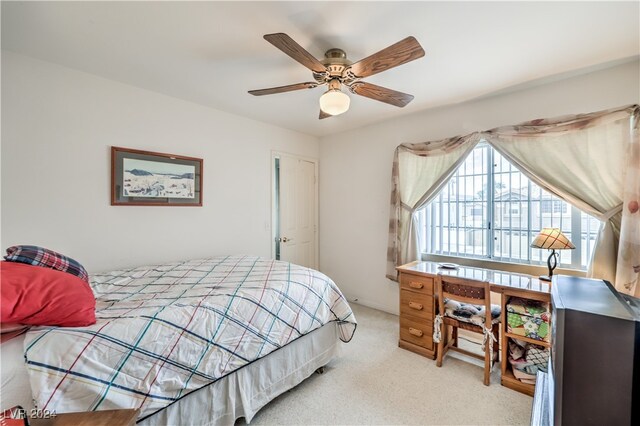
column 490, row 210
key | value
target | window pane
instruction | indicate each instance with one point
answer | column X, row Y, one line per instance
column 458, row 223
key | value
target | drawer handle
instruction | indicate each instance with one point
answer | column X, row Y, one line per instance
column 415, row 284
column 416, row 306
column 415, row 332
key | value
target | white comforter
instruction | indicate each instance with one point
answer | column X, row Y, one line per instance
column 167, row 330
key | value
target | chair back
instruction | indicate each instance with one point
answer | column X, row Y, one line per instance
column 464, row 290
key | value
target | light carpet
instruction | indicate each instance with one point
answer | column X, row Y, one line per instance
column 373, row 381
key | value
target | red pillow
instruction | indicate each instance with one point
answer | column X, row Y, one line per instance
column 35, row 295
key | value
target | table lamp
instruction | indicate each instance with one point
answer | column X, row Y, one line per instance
column 552, row 239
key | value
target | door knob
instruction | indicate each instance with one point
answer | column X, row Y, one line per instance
column 283, row 239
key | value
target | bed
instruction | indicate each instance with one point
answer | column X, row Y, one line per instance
column 198, row 342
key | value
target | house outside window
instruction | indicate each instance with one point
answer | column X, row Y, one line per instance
column 489, row 210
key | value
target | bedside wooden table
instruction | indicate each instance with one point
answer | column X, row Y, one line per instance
column 90, row 418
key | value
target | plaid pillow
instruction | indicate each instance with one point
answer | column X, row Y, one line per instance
column 39, row 256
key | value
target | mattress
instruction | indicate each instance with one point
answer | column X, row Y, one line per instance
column 166, row 331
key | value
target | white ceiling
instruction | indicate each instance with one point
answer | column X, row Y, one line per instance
column 211, row 53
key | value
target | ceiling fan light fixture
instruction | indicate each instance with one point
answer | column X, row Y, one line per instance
column 334, row 102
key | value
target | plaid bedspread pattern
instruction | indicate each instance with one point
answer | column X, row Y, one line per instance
column 167, row 330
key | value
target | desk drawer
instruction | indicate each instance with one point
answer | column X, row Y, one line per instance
column 416, row 304
column 417, row 332
column 417, row 283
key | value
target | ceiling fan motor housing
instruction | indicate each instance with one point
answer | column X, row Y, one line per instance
column 336, row 62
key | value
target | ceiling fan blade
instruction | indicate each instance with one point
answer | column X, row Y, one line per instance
column 324, row 115
column 381, row 94
column 282, row 89
column 297, row 52
column 397, row 54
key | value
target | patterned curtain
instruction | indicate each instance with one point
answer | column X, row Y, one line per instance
column 592, row 161
column 420, row 170
column 628, row 268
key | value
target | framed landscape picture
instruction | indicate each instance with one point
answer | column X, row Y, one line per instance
column 144, row 178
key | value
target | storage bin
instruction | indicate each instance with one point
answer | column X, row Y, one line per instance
column 528, row 318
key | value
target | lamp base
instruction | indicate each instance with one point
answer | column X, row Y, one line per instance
column 545, row 277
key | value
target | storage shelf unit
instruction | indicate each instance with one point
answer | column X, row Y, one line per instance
column 507, row 377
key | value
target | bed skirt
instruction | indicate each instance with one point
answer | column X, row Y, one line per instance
column 247, row 390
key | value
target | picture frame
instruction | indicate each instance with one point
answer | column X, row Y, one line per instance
column 146, row 178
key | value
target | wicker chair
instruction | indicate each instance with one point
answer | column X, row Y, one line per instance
column 462, row 303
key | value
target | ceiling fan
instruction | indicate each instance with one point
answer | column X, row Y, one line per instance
column 335, row 71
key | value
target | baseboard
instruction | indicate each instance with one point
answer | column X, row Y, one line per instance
column 370, row 304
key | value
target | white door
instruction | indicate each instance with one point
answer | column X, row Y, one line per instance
column 297, row 211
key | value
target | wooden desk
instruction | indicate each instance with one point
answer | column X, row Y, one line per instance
column 414, row 321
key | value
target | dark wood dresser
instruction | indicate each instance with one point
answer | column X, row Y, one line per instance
column 594, row 370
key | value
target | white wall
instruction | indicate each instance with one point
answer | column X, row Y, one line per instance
column 355, row 169
column 57, row 128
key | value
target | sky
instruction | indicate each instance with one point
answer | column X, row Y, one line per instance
column 157, row 166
